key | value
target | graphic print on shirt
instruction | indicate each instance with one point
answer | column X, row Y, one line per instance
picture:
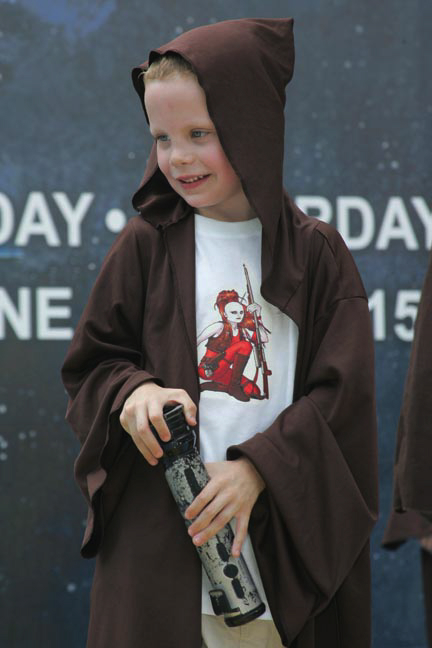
column 230, row 343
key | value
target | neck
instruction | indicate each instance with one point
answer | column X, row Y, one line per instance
column 240, row 210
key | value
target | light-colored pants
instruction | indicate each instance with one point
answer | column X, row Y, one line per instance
column 256, row 634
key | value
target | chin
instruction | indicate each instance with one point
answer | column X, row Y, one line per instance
column 197, row 202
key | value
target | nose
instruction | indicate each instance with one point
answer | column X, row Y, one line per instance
column 181, row 155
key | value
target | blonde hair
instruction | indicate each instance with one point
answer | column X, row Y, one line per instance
column 169, row 65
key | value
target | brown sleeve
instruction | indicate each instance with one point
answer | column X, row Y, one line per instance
column 413, row 466
column 319, row 462
column 403, row 526
column 103, row 366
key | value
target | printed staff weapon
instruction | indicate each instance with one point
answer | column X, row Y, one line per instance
column 258, row 347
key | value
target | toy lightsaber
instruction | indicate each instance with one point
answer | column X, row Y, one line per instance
column 233, row 592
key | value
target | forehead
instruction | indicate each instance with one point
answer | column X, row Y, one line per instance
column 178, row 99
column 233, row 306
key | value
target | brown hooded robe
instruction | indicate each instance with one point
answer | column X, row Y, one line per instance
column 412, row 483
column 413, row 471
column 310, row 527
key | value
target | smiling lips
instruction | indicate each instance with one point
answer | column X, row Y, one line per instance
column 190, row 182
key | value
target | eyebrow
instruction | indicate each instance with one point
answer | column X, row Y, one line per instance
column 193, row 125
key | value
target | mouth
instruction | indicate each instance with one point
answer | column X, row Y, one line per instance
column 190, row 182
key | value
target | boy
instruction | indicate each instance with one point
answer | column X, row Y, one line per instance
column 296, row 468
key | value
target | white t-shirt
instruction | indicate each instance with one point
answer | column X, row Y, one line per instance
column 234, row 405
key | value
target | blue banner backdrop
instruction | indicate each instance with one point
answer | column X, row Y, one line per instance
column 73, row 149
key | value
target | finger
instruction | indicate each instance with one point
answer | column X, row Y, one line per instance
column 216, row 507
column 134, row 422
column 240, row 535
column 144, row 450
column 216, row 525
column 201, row 501
column 145, row 434
column 190, row 415
column 150, row 441
column 155, row 416
column 189, row 407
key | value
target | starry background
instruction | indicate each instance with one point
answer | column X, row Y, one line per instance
column 358, row 123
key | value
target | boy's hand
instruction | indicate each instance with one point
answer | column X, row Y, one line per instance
column 145, row 404
column 232, row 491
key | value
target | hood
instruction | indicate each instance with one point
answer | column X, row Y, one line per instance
column 243, row 66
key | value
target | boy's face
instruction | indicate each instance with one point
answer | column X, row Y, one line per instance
column 189, row 152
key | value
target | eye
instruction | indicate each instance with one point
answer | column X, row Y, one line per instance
column 161, row 138
column 199, row 133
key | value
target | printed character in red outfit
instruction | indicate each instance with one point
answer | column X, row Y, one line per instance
column 229, row 345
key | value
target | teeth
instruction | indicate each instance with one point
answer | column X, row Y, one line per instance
column 193, row 179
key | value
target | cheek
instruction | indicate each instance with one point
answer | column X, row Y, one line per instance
column 163, row 163
column 226, row 172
